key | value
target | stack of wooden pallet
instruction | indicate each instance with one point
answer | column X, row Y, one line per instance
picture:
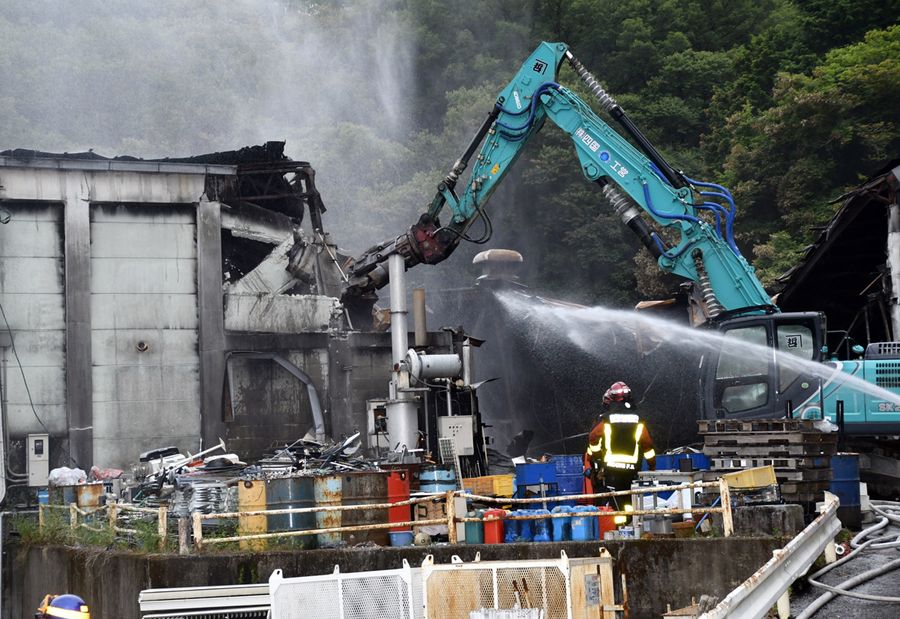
column 800, row 454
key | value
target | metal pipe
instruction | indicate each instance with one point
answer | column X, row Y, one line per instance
column 468, row 367
column 403, row 422
column 419, row 318
column 402, row 412
column 399, row 328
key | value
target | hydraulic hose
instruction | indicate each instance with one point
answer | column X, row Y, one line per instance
column 615, row 110
column 859, row 543
column 841, row 589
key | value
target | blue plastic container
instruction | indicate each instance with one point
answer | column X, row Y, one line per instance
column 402, row 538
column 437, row 479
column 582, row 526
column 593, row 516
column 43, row 496
column 526, row 527
column 845, row 484
column 511, row 529
column 562, row 527
column 542, row 526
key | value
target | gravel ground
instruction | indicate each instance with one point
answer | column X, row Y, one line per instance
column 843, row 606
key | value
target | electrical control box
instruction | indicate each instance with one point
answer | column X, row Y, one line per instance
column 38, row 459
column 461, row 428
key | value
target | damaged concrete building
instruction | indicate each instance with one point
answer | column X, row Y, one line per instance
column 173, row 302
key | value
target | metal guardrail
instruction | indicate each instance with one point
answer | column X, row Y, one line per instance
column 452, row 519
column 767, row 586
column 112, row 511
column 194, row 525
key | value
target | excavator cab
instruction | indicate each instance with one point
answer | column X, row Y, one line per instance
column 764, row 368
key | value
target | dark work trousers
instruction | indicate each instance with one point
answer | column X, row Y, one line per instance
column 615, row 479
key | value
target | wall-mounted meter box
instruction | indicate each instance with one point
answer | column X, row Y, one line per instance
column 38, row 459
column 461, row 428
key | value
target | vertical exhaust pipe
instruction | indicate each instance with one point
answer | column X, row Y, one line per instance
column 402, row 410
column 399, row 328
column 419, row 318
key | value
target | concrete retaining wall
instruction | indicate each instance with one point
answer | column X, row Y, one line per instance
column 657, row 571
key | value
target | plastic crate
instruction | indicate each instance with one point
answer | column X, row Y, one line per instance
column 490, row 485
column 504, row 485
column 568, row 464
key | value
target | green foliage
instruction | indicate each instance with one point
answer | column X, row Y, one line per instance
column 824, row 133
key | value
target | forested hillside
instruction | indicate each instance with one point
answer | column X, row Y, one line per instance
column 788, row 102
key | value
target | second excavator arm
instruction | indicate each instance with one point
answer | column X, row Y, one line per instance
column 637, row 185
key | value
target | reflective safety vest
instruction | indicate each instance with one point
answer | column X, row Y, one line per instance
column 622, row 442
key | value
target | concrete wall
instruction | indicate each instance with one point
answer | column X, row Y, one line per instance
column 657, row 572
column 269, row 405
column 144, row 330
column 81, row 281
column 32, row 292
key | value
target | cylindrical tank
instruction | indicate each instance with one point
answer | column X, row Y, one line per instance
column 403, row 423
column 398, row 490
column 493, row 526
column 425, row 367
column 475, row 530
column 252, row 497
column 365, row 488
column 845, row 484
column 327, row 490
column 292, row 493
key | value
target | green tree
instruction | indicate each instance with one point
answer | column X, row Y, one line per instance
column 824, row 134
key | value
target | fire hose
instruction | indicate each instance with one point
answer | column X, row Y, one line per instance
column 890, row 514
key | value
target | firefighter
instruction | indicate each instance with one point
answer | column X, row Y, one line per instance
column 63, row 606
column 617, row 446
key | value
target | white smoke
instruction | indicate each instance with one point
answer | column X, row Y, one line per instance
column 167, row 78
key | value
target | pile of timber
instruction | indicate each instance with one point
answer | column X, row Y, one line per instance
column 799, row 453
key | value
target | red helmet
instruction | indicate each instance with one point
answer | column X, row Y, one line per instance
column 617, row 392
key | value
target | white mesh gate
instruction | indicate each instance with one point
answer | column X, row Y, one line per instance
column 458, row 589
column 388, row 594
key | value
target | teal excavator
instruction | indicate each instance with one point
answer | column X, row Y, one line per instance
column 650, row 196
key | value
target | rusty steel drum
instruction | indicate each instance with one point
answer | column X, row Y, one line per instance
column 365, row 488
column 89, row 495
column 292, row 493
column 251, row 498
column 328, row 491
